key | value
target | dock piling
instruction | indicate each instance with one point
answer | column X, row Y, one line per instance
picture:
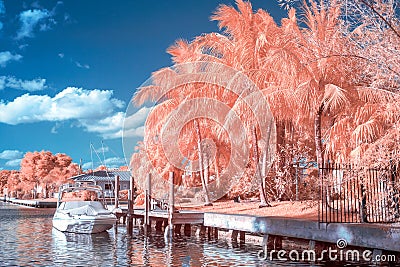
column 129, row 217
column 235, row 234
column 187, row 230
column 159, row 225
column 177, row 229
column 171, row 206
column 201, row 231
column 272, row 242
column 116, row 192
column 147, row 201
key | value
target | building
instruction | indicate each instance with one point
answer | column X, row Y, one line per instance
column 106, row 179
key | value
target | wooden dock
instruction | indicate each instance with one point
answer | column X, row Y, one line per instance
column 377, row 237
column 181, row 217
column 35, row 203
column 371, row 236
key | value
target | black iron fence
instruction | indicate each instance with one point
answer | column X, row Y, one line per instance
column 351, row 195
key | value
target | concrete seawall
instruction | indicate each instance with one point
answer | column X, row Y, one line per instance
column 375, row 236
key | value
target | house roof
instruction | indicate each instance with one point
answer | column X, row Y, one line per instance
column 108, row 175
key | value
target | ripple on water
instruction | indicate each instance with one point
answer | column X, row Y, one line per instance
column 28, row 239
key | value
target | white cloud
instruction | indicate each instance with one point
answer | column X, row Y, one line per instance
column 27, row 85
column 7, row 56
column 23, row 46
column 114, row 162
column 13, row 163
column 110, row 127
column 82, row 66
column 87, row 165
column 2, row 11
column 134, row 132
column 137, row 119
column 54, row 129
column 2, row 7
column 11, row 154
column 94, row 110
column 29, row 19
column 134, row 124
column 2, row 82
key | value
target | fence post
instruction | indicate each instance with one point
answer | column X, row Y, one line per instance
column 363, row 206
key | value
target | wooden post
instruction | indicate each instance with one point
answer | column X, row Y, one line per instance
column 177, row 229
column 116, row 193
column 129, row 223
column 171, row 206
column 272, row 242
column 187, row 230
column 159, row 225
column 132, row 188
column 215, row 233
column 209, row 232
column 242, row 237
column 201, row 231
column 234, row 235
column 147, row 201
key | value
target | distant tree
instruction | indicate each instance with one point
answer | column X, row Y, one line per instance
column 29, row 170
column 101, row 168
column 123, row 168
column 16, row 187
column 63, row 169
column 45, row 169
column 4, row 174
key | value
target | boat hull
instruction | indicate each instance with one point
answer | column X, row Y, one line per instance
column 84, row 224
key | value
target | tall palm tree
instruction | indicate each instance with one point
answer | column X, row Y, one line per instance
column 312, row 74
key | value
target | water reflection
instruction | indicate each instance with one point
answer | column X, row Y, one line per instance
column 70, row 248
column 28, row 239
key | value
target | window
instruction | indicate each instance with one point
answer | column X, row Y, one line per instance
column 108, row 187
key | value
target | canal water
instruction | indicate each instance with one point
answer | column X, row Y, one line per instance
column 28, row 239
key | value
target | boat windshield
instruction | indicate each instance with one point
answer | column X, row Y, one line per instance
column 81, row 195
column 78, row 204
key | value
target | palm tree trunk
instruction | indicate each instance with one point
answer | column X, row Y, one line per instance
column 216, row 164
column 318, row 136
column 280, row 143
column 206, row 168
column 203, row 182
column 266, row 153
column 263, row 198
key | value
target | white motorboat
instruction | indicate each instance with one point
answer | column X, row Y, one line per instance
column 81, row 209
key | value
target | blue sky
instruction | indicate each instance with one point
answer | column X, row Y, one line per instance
column 68, row 70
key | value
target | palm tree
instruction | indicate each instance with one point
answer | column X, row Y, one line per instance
column 313, row 75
